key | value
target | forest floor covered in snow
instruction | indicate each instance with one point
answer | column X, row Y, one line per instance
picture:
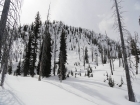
column 81, row 90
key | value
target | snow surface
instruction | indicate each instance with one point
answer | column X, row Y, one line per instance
column 72, row 91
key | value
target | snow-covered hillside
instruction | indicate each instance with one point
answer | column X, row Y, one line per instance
column 73, row 91
column 76, row 89
column 78, row 39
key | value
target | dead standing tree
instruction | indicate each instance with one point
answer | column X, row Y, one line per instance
column 9, row 17
column 121, row 29
column 4, row 17
column 5, row 57
column 55, row 47
column 109, row 53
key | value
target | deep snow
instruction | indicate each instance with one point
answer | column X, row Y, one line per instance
column 72, row 91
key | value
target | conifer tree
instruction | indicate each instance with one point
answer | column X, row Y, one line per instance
column 9, row 69
column 63, row 46
column 45, row 54
column 26, row 62
column 62, row 56
column 46, row 71
column 32, row 53
column 86, row 55
column 18, row 71
column 35, row 30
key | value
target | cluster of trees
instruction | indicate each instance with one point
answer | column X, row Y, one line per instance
column 101, row 47
column 41, row 44
column 37, row 57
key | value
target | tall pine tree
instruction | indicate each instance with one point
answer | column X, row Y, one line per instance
column 45, row 55
column 47, row 67
column 35, row 33
column 86, row 55
column 26, row 61
column 18, row 71
column 62, row 56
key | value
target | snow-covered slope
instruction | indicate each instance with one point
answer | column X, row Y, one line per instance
column 77, row 40
column 73, row 91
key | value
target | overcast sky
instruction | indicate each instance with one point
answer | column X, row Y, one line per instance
column 91, row 14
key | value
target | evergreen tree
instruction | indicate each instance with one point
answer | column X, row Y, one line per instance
column 47, row 67
column 62, row 56
column 45, row 55
column 32, row 52
column 86, row 55
column 26, row 62
column 18, row 71
column 35, row 30
column 10, row 70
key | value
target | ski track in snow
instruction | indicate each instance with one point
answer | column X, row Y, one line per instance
column 8, row 97
column 91, row 91
column 75, row 91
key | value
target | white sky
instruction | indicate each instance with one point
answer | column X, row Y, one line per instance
column 91, row 14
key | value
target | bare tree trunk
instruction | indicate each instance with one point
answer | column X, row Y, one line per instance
column 110, row 65
column 5, row 58
column 2, row 77
column 119, row 62
column 113, row 64
column 136, row 66
column 128, row 79
column 102, row 55
column 3, row 21
column 123, row 62
column 130, row 61
column 92, row 54
column 40, row 71
column 109, row 57
column 97, row 60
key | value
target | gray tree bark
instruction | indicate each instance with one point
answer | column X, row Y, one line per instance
column 5, row 58
column 3, row 21
column 128, row 79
